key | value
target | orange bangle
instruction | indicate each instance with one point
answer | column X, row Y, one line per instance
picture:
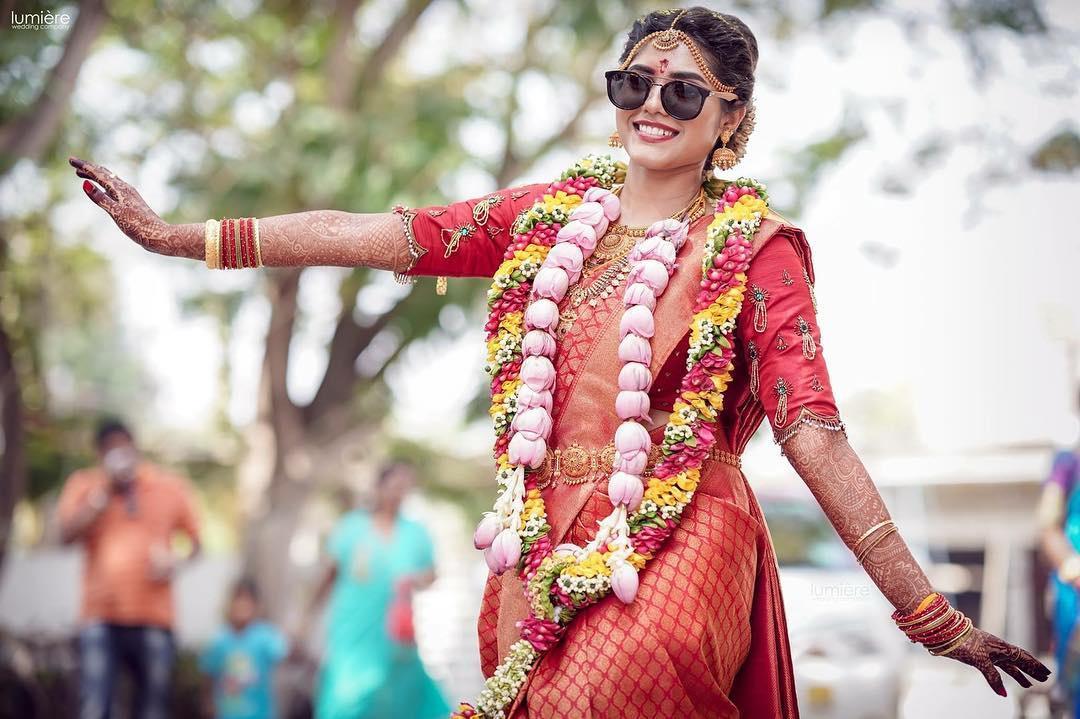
column 925, row 602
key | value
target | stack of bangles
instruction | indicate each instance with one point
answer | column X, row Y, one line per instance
column 233, row 244
column 936, row 624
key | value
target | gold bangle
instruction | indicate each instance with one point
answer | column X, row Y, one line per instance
column 258, row 247
column 868, row 532
column 874, row 542
column 960, row 639
column 212, row 235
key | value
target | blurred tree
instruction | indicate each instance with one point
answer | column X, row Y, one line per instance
column 26, row 130
column 264, row 108
column 283, row 107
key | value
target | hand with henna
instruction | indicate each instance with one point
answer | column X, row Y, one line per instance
column 301, row 239
column 842, row 486
column 132, row 215
column 984, row 651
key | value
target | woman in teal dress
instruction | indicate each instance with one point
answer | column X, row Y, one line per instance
column 368, row 671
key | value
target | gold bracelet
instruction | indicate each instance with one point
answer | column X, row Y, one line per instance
column 960, row 639
column 876, row 541
column 212, row 234
column 868, row 532
column 258, row 247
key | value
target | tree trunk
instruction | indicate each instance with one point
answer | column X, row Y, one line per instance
column 29, row 134
column 12, row 444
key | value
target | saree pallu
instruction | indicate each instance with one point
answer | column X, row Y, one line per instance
column 706, row 635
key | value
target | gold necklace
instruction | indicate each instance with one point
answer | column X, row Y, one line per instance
column 620, row 239
column 613, row 276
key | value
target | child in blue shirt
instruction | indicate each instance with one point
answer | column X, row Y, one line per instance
column 241, row 658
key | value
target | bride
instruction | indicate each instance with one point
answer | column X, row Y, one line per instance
column 643, row 321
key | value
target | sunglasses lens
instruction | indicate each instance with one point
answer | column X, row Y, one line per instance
column 626, row 90
column 682, row 100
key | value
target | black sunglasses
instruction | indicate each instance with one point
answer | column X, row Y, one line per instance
column 683, row 100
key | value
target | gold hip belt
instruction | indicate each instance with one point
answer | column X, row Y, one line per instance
column 576, row 464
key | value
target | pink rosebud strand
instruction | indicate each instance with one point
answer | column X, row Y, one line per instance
column 543, row 634
column 539, row 550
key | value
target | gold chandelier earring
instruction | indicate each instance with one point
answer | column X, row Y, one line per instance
column 614, row 140
column 724, row 157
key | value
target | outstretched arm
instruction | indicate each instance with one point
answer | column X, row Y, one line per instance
column 851, row 501
column 781, row 343
column 464, row 239
column 301, row 239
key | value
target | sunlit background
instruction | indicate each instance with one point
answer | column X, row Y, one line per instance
column 929, row 149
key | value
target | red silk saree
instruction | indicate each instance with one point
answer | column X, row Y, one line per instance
column 707, row 635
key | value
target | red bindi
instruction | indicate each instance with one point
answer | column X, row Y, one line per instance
column 663, row 66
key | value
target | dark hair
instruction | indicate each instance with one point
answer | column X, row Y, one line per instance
column 108, row 427
column 718, row 35
column 388, row 469
column 245, row 585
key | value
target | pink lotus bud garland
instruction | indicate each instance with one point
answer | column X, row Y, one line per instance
column 551, row 241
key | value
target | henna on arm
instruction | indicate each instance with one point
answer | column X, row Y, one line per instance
column 842, row 486
column 317, row 237
column 837, row 478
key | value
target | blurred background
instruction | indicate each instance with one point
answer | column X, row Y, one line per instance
column 929, row 149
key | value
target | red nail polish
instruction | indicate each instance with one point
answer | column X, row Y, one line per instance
column 87, row 186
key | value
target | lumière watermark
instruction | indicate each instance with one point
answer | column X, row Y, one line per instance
column 39, row 20
column 839, row 591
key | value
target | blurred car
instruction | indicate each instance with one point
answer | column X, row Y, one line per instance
column 849, row 656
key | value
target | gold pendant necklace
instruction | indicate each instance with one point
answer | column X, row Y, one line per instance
column 620, row 239
column 613, row 247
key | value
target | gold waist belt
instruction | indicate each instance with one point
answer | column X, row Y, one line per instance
column 576, row 464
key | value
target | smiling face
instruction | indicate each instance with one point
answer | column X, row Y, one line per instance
column 654, row 139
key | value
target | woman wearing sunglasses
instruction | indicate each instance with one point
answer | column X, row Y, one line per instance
column 644, row 320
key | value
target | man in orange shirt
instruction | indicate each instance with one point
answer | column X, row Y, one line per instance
column 126, row 512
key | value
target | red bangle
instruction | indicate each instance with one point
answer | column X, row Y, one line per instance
column 902, row 618
column 941, row 633
column 228, row 249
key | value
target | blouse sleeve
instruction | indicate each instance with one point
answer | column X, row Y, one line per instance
column 780, row 342
column 467, row 238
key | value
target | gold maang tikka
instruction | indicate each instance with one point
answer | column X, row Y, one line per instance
column 668, row 40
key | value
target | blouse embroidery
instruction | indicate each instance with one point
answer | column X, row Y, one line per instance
column 482, row 213
column 758, row 296
column 785, row 277
column 809, row 348
column 437, row 211
column 781, row 343
column 456, row 236
column 809, row 284
column 781, row 390
column 755, row 367
column 809, row 417
column 416, row 250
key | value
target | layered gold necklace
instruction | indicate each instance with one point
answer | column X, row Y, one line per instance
column 614, row 247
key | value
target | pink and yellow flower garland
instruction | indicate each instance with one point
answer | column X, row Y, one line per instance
column 561, row 581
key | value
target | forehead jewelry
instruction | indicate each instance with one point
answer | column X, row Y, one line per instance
column 669, row 39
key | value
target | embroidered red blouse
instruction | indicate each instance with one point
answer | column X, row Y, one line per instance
column 780, row 367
